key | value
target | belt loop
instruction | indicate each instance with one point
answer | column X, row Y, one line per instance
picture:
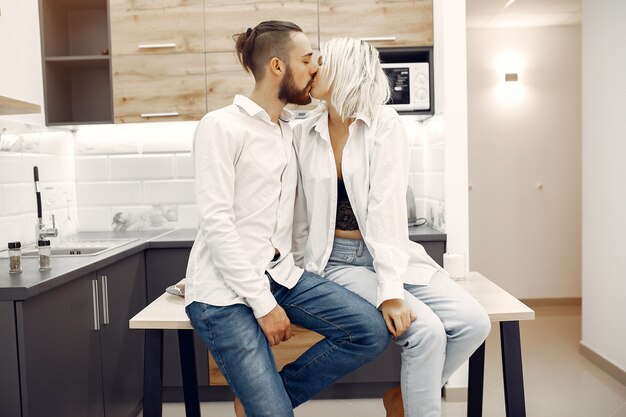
column 360, row 250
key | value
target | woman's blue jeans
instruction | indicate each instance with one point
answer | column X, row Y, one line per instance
column 354, row 331
column 450, row 325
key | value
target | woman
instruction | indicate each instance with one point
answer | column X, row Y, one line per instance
column 351, row 225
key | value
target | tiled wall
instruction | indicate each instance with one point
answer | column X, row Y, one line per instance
column 427, row 168
column 143, row 174
column 140, row 174
column 21, row 148
column 129, row 169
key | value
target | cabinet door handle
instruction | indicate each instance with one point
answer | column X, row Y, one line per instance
column 105, row 298
column 156, row 45
column 166, row 114
column 380, row 39
column 96, row 305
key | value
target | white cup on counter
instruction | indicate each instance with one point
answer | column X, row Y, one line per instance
column 454, row 264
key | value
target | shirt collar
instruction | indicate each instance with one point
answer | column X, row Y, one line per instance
column 254, row 110
column 321, row 124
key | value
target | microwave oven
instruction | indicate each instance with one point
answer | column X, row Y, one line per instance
column 410, row 85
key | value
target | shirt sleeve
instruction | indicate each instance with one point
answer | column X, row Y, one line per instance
column 386, row 228
column 215, row 154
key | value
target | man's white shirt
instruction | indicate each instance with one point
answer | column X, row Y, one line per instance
column 246, row 176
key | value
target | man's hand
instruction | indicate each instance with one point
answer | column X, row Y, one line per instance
column 276, row 326
column 398, row 315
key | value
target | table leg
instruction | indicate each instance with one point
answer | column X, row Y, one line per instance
column 512, row 369
column 476, row 382
column 188, row 368
column 153, row 373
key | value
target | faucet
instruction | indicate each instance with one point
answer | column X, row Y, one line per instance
column 41, row 231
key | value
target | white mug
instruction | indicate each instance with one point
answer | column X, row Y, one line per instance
column 454, row 264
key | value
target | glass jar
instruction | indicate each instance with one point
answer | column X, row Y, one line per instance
column 15, row 257
column 44, row 255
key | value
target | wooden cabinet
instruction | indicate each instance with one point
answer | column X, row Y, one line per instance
column 149, row 26
column 387, row 23
column 158, row 67
column 225, row 77
column 159, row 87
column 77, row 356
column 175, row 60
column 224, row 19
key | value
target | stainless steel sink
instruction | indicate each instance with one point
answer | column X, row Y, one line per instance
column 75, row 248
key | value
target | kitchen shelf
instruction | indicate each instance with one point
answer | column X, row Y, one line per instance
column 76, row 61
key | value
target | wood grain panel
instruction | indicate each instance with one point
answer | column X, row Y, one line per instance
column 158, row 84
column 410, row 21
column 225, row 77
column 135, row 22
column 284, row 353
column 223, row 19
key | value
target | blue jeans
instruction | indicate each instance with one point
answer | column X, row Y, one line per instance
column 354, row 331
column 450, row 325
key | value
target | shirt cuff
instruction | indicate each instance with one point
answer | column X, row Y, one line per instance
column 390, row 290
column 263, row 304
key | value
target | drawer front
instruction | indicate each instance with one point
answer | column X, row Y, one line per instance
column 158, row 87
column 153, row 27
column 410, row 22
column 225, row 77
column 224, row 19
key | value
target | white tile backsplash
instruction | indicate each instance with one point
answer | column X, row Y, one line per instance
column 188, row 216
column 94, row 218
column 92, row 168
column 184, row 166
column 115, row 167
column 125, row 167
column 169, row 192
column 108, row 193
column 18, row 199
column 435, row 162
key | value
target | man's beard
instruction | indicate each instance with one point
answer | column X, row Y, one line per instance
column 290, row 94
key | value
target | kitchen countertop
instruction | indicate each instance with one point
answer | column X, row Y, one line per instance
column 15, row 287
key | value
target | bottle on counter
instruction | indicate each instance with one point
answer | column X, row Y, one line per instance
column 15, row 257
column 44, row 255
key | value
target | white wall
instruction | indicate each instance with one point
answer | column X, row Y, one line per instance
column 20, row 53
column 604, row 179
column 523, row 135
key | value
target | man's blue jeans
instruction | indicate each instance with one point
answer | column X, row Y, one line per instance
column 355, row 333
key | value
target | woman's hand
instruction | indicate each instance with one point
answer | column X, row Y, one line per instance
column 398, row 315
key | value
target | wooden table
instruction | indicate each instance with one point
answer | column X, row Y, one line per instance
column 502, row 307
column 167, row 313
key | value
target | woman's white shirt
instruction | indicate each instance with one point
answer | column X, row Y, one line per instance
column 375, row 169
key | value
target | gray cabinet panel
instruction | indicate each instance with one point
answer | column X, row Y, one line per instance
column 436, row 250
column 165, row 267
column 9, row 376
column 122, row 348
column 59, row 352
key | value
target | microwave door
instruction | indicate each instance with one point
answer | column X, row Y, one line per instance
column 400, row 88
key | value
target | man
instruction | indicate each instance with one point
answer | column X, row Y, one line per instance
column 243, row 290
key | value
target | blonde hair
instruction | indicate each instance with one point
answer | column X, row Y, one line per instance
column 358, row 83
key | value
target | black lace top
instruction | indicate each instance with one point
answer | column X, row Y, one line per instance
column 345, row 216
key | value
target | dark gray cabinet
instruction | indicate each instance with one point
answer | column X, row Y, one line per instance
column 77, row 356
column 121, row 347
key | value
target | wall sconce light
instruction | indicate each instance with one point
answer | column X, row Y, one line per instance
column 511, row 76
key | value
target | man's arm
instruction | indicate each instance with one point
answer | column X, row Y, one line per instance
column 215, row 153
